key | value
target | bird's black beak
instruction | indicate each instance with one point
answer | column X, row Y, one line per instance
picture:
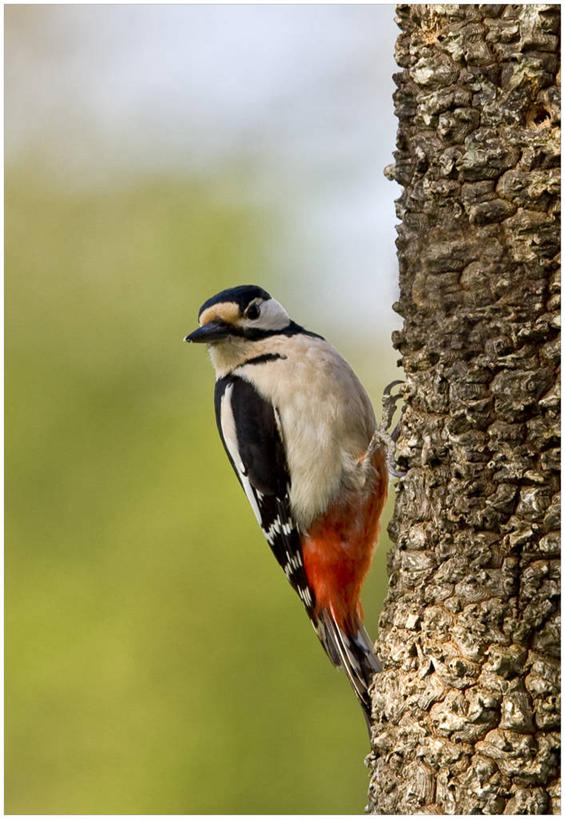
column 213, row 331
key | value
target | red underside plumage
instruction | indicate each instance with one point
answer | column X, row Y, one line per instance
column 339, row 547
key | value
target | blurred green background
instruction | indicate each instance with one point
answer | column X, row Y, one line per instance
column 156, row 659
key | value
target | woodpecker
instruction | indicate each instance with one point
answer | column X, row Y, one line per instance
column 300, row 433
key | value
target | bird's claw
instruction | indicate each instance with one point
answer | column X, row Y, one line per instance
column 387, row 442
column 388, row 439
column 390, row 400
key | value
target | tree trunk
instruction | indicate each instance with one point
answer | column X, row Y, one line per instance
column 466, row 716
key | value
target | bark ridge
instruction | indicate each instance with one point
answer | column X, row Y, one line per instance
column 466, row 711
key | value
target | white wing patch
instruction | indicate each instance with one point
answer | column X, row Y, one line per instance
column 227, row 421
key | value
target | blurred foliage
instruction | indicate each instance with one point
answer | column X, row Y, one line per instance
column 156, row 661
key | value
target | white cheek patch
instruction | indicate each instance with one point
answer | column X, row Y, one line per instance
column 273, row 316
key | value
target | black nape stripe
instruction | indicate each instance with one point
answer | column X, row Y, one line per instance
column 262, row 359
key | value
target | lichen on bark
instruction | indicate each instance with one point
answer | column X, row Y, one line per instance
column 466, row 710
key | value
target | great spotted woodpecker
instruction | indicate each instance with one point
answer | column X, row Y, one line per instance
column 300, row 433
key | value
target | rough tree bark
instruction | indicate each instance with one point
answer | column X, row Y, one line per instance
column 466, row 710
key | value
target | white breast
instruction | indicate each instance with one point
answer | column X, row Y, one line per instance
column 326, row 417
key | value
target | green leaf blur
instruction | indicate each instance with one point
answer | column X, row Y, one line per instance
column 157, row 662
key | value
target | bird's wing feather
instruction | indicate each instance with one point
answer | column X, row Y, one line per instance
column 250, row 431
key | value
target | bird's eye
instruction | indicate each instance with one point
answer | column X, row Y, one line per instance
column 252, row 312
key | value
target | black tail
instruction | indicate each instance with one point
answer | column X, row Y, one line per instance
column 352, row 651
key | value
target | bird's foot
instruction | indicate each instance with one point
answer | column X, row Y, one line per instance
column 384, row 439
column 389, row 402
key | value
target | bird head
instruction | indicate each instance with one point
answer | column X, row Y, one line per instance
column 247, row 312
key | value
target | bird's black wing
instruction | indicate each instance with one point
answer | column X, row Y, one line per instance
column 250, row 431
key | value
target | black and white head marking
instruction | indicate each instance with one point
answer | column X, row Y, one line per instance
column 246, row 311
column 242, row 295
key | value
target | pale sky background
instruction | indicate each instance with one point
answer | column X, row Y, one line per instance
column 299, row 95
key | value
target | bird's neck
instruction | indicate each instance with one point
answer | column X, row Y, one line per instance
column 234, row 351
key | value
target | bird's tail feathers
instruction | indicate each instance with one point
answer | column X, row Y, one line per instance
column 353, row 650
